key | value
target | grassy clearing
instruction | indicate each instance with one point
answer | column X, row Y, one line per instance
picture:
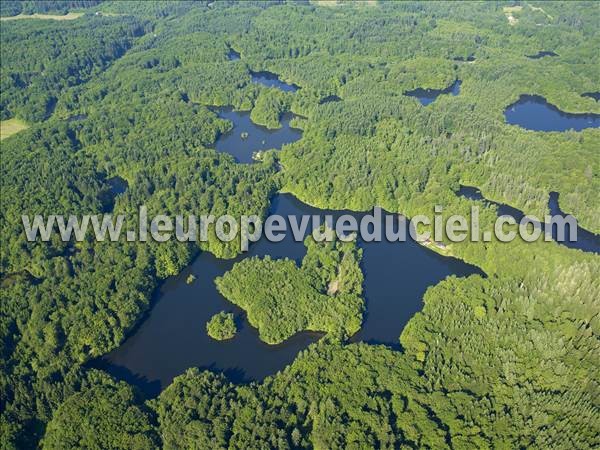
column 10, row 127
column 509, row 10
column 69, row 16
column 512, row 9
column 535, row 8
column 328, row 3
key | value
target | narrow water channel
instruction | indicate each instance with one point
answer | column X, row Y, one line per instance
column 586, row 240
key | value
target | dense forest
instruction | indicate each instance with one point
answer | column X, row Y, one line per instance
column 504, row 361
column 221, row 326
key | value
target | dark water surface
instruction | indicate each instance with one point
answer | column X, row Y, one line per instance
column 586, row 240
column 270, row 79
column 469, row 58
column 77, row 118
column 533, row 112
column 246, row 137
column 117, row 185
column 594, row 95
column 330, row 99
column 541, row 54
column 232, row 55
column 427, row 96
column 173, row 336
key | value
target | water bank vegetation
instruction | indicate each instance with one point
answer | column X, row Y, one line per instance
column 269, row 106
column 104, row 414
column 503, row 361
column 282, row 299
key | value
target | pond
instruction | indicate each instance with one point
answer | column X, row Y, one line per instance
column 272, row 80
column 232, row 55
column 594, row 95
column 246, row 137
column 469, row 58
column 427, row 96
column 586, row 240
column 173, row 335
column 541, row 54
column 117, row 186
column 330, row 99
column 533, row 112
column 77, row 118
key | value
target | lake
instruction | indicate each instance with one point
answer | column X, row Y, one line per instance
column 533, row 112
column 272, row 80
column 173, row 335
column 586, row 240
column 427, row 96
column 246, row 137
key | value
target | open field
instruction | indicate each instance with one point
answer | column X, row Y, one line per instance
column 508, row 11
column 69, row 16
column 10, row 127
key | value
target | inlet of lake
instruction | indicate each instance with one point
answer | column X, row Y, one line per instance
column 172, row 337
